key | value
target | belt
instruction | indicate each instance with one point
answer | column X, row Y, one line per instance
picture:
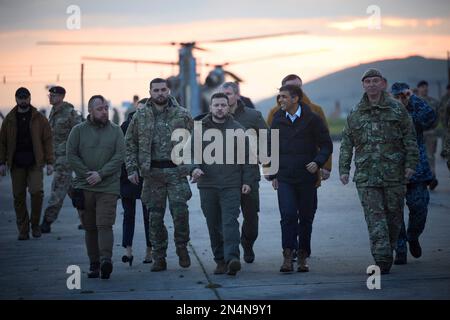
column 163, row 164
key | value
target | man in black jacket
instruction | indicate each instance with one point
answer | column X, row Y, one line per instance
column 304, row 147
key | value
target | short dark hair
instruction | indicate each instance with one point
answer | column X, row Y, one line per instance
column 97, row 96
column 294, row 91
column 219, row 95
column 448, row 86
column 158, row 80
column 422, row 83
column 290, row 77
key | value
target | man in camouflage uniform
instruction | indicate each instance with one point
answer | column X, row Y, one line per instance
column 444, row 109
column 446, row 148
column 62, row 119
column 430, row 135
column 386, row 153
column 417, row 195
column 148, row 154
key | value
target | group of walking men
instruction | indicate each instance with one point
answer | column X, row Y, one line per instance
column 136, row 161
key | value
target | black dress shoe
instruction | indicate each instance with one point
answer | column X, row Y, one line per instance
column 94, row 270
column 106, row 269
column 128, row 259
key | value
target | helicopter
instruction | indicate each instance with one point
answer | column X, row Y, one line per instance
column 185, row 86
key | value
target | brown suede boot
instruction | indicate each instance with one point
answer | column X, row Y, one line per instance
column 302, row 266
column 183, row 257
column 287, row 265
column 221, row 267
column 159, row 265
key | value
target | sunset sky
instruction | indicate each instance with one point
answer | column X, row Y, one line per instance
column 341, row 29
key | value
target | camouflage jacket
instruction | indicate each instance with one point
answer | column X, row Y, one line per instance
column 447, row 145
column 385, row 143
column 444, row 110
column 435, row 105
column 141, row 133
column 62, row 119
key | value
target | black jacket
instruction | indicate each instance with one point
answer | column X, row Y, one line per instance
column 299, row 144
column 128, row 189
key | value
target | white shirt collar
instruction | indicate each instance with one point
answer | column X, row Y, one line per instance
column 296, row 115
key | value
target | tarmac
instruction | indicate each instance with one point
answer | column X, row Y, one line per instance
column 37, row 268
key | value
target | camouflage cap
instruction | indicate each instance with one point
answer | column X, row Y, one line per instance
column 398, row 88
column 371, row 73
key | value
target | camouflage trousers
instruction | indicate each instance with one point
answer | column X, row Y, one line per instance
column 431, row 147
column 417, row 199
column 383, row 210
column 160, row 185
column 62, row 181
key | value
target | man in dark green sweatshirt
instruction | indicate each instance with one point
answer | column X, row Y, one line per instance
column 221, row 183
column 96, row 151
column 251, row 120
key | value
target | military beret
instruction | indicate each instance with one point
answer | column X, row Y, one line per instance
column 57, row 90
column 22, row 93
column 371, row 73
column 398, row 88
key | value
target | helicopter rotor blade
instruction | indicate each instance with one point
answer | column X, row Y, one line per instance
column 274, row 56
column 130, row 61
column 233, row 75
column 106, row 43
column 262, row 36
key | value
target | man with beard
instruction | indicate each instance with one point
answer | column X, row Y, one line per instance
column 249, row 119
column 95, row 151
column 221, row 185
column 25, row 147
column 148, row 154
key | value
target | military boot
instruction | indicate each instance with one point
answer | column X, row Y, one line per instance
column 45, row 226
column 36, row 231
column 94, row 270
column 287, row 265
column 106, row 269
column 221, row 267
column 415, row 248
column 400, row 258
column 183, row 257
column 385, row 267
column 302, row 265
column 23, row 236
column 159, row 265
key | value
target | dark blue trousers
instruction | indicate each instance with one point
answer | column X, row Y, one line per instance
column 297, row 203
column 129, row 207
column 417, row 199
